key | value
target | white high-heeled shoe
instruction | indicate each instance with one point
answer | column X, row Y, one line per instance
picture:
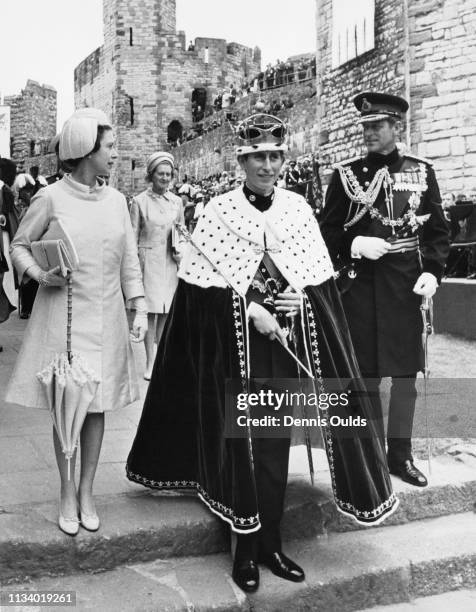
column 89, row 521
column 70, row 526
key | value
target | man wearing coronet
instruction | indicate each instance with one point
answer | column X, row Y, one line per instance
column 255, row 260
column 387, row 236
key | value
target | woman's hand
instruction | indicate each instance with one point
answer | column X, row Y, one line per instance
column 139, row 327
column 265, row 323
column 140, row 323
column 289, row 302
column 52, row 278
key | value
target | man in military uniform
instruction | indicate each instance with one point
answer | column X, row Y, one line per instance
column 386, row 233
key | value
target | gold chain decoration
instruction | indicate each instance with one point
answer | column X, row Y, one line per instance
column 366, row 199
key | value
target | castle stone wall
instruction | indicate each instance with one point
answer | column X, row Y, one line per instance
column 143, row 78
column 90, row 83
column 215, row 151
column 380, row 69
column 443, row 89
column 33, row 121
column 424, row 50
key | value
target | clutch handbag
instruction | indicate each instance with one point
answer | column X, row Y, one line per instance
column 56, row 249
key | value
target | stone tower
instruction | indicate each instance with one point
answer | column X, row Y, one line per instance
column 134, row 43
column 146, row 79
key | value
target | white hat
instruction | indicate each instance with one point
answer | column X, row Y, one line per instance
column 161, row 157
column 79, row 133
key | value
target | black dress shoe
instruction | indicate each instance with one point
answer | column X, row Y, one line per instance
column 408, row 473
column 283, row 567
column 246, row 574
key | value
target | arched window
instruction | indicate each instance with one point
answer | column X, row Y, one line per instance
column 174, row 132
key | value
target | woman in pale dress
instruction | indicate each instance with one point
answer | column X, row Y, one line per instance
column 96, row 218
column 154, row 212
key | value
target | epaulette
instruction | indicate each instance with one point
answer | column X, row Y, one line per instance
column 417, row 158
column 346, row 162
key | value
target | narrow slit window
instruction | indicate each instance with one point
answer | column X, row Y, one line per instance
column 131, row 37
column 131, row 109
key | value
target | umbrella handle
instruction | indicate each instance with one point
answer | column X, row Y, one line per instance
column 70, row 317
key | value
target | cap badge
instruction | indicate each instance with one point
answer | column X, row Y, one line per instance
column 366, row 106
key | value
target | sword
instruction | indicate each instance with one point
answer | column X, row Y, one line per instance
column 426, row 310
column 307, row 435
column 183, row 231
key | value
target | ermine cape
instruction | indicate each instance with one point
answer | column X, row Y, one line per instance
column 180, row 442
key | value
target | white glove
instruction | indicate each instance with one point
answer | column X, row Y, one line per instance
column 139, row 327
column 369, row 247
column 140, row 323
column 50, row 278
column 426, row 285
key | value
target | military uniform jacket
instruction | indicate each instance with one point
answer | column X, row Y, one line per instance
column 382, row 310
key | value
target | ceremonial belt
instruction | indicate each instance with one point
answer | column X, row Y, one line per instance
column 404, row 245
column 272, row 287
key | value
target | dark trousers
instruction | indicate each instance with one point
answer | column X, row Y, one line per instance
column 400, row 415
column 270, row 459
column 269, row 361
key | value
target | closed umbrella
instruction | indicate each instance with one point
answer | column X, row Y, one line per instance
column 70, row 386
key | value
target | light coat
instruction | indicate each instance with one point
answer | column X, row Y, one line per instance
column 153, row 217
column 98, row 222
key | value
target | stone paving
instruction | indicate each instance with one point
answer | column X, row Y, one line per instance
column 28, row 507
column 27, row 466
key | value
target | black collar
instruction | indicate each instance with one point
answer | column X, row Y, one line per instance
column 260, row 202
column 384, row 160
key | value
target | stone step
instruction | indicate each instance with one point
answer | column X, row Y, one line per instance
column 460, row 601
column 344, row 572
column 144, row 526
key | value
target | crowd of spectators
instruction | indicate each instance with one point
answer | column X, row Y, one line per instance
column 207, row 118
column 296, row 175
column 211, row 120
column 277, row 75
column 460, row 212
column 285, row 73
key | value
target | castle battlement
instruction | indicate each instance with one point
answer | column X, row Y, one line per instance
column 145, row 78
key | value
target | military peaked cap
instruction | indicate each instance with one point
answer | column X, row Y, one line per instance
column 375, row 106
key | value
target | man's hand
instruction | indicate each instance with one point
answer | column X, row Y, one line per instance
column 289, row 302
column 177, row 256
column 265, row 323
column 369, row 247
column 426, row 285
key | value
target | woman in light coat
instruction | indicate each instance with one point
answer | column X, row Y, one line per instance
column 96, row 218
column 154, row 213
